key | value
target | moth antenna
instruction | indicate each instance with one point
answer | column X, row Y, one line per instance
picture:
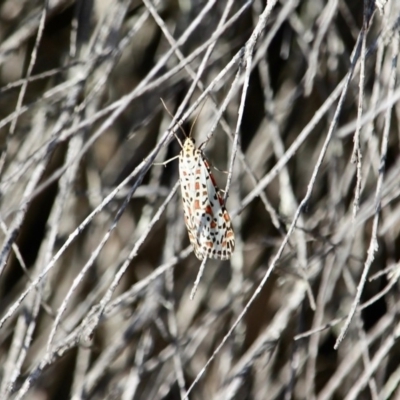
column 180, row 126
column 195, row 120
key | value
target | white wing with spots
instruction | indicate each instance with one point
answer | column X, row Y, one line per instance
column 207, row 221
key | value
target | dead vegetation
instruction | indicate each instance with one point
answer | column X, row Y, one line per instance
column 300, row 105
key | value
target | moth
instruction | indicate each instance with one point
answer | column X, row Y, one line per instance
column 208, row 223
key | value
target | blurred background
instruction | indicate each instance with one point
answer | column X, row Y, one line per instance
column 296, row 107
